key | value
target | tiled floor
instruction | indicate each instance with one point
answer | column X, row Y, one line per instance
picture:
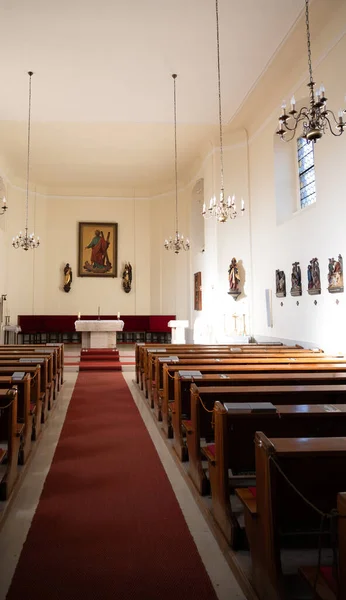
column 21, row 511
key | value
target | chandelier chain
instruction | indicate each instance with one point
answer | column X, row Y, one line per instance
column 221, row 208
column 175, row 153
column 219, row 91
column 26, row 241
column 178, row 243
column 28, row 158
column 308, row 39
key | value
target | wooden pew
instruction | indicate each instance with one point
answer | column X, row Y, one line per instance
column 46, row 382
column 231, row 369
column 57, row 350
column 214, row 365
column 28, row 406
column 193, row 348
column 341, row 506
column 10, row 439
column 199, row 423
column 240, row 351
column 234, row 449
column 29, row 352
column 154, row 373
column 141, row 348
column 189, row 351
column 317, row 468
column 30, row 410
column 170, row 349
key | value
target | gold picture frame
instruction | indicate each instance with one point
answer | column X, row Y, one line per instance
column 98, row 249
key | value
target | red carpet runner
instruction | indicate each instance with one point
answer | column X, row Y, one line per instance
column 108, row 525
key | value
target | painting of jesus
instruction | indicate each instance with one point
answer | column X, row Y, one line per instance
column 97, row 250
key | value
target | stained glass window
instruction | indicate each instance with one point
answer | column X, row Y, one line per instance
column 306, row 169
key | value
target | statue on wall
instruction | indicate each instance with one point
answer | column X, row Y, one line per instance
column 314, row 281
column 67, row 277
column 280, row 284
column 127, row 278
column 296, row 280
column 335, row 275
column 234, row 279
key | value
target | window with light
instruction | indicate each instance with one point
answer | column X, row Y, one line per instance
column 306, row 170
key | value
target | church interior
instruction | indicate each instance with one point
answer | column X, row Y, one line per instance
column 172, row 310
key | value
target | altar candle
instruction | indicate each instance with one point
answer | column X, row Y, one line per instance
column 118, row 315
column 79, row 315
column 98, row 311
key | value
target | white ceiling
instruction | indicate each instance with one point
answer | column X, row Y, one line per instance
column 102, row 93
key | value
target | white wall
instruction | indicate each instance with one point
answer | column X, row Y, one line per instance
column 223, row 241
column 317, row 231
column 33, row 280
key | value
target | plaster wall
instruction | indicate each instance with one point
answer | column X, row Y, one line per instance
column 280, row 237
column 215, row 323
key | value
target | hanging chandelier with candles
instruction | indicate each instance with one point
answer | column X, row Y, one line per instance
column 177, row 243
column 221, row 209
column 316, row 118
column 25, row 240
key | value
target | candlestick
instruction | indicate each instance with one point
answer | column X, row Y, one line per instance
column 235, row 317
column 118, row 315
column 79, row 315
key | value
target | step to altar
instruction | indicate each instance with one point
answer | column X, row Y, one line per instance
column 100, row 366
column 99, row 357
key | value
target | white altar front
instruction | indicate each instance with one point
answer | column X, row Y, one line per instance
column 99, row 334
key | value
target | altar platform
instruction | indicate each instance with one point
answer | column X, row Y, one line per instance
column 99, row 333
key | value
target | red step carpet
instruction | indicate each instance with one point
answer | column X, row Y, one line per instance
column 108, row 525
column 99, row 359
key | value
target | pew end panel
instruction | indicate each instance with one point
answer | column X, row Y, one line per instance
column 217, row 457
column 281, row 512
column 200, row 421
column 341, row 505
column 10, row 436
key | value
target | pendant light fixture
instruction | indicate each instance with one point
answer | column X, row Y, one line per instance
column 221, row 209
column 316, row 118
column 26, row 240
column 177, row 243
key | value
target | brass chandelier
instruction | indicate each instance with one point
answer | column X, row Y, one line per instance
column 25, row 240
column 221, row 209
column 316, row 118
column 177, row 243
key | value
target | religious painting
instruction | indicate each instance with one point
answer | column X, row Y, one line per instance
column 335, row 275
column 296, row 280
column 198, row 291
column 280, row 283
column 98, row 249
column 314, row 280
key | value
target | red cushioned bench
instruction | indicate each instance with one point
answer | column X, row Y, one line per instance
column 61, row 328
